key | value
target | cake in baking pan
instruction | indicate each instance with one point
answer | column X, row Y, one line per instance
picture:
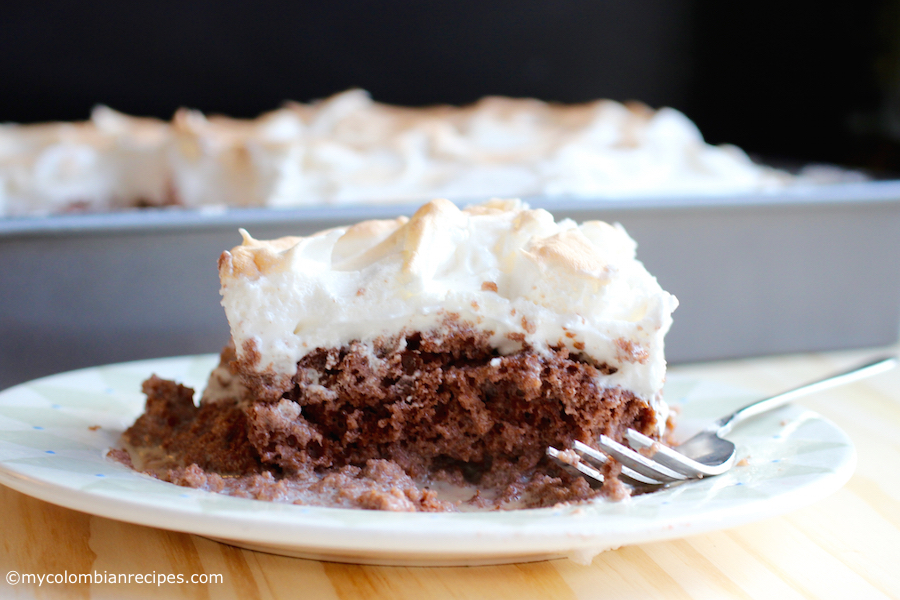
column 349, row 149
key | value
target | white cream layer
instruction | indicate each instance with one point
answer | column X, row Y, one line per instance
column 350, row 149
column 505, row 269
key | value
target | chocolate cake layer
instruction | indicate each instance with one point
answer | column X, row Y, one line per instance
column 429, row 401
column 380, row 426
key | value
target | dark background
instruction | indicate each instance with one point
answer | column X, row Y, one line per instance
column 784, row 80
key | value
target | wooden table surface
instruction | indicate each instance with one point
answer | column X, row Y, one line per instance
column 845, row 546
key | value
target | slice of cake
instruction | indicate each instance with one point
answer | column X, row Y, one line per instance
column 375, row 364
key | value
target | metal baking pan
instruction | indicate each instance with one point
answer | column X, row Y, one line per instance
column 804, row 269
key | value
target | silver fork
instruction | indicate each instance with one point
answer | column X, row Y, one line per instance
column 704, row 455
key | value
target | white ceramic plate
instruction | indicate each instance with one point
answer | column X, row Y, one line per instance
column 54, row 433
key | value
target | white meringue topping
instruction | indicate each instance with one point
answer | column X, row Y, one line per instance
column 351, row 149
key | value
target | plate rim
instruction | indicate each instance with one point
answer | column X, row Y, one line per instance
column 328, row 538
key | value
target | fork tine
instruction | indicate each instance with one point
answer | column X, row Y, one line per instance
column 627, row 475
column 588, row 458
column 675, row 460
column 643, row 465
column 582, row 467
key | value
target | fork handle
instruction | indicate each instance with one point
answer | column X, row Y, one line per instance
column 725, row 424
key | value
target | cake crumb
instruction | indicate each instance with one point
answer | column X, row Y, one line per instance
column 528, row 326
column 569, row 457
column 630, row 351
